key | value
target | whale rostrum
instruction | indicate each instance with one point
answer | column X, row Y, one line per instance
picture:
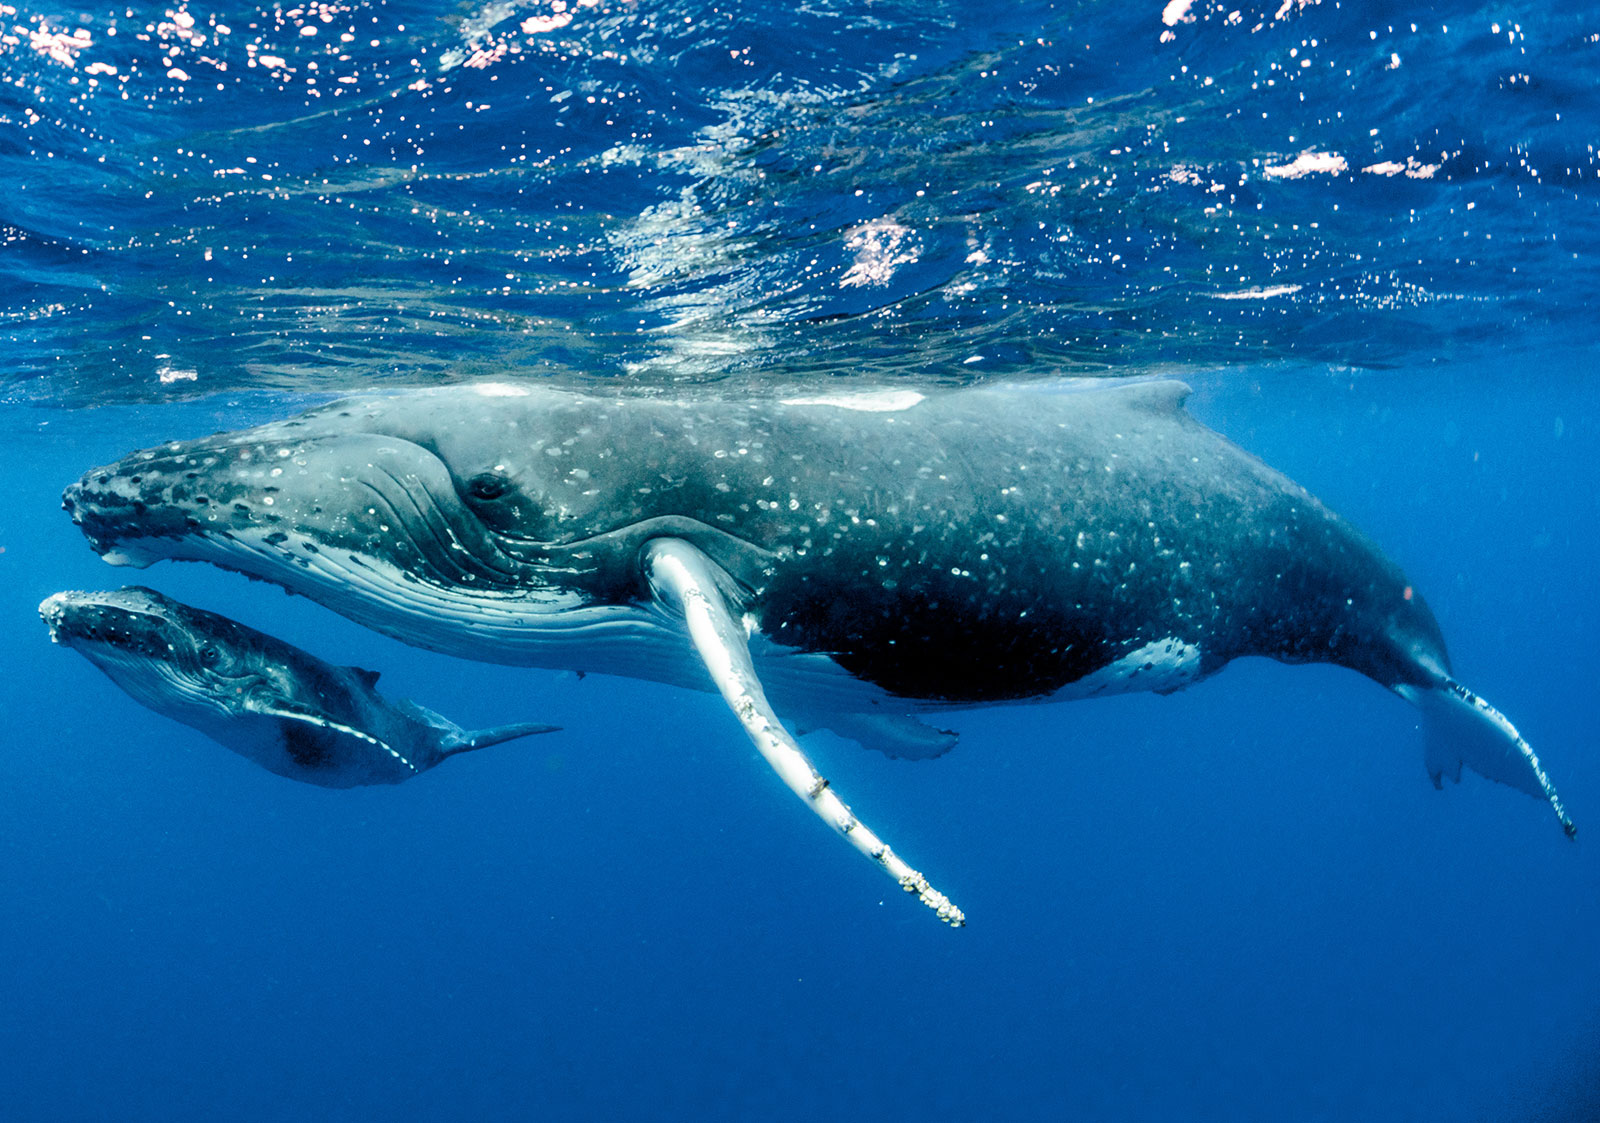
column 853, row 561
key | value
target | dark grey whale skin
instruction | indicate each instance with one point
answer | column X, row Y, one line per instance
column 282, row 707
column 983, row 545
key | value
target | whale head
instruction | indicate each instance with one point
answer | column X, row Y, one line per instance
column 174, row 659
column 461, row 519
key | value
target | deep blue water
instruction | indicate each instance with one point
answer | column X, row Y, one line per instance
column 1240, row 902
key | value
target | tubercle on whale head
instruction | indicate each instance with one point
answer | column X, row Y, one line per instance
column 462, row 494
column 133, row 510
column 134, row 619
column 113, row 521
column 374, row 525
column 284, row 486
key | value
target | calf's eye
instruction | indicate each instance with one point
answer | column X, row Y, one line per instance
column 488, row 485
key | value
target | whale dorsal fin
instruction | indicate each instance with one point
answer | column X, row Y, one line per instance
column 368, row 678
column 1165, row 395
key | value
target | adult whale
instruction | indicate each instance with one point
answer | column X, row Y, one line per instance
column 272, row 703
column 856, row 559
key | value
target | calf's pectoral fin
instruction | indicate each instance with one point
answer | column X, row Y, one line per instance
column 1461, row 728
column 689, row 583
column 310, row 741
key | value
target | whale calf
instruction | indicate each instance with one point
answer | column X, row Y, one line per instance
column 288, row 711
column 851, row 561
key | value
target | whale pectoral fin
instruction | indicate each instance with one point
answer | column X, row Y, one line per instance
column 897, row 736
column 313, row 741
column 1461, row 728
column 688, row 582
column 311, row 744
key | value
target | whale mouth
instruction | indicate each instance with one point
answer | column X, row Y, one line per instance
column 372, row 526
column 54, row 610
column 392, row 534
column 111, row 522
column 263, row 502
column 156, row 650
column 138, row 624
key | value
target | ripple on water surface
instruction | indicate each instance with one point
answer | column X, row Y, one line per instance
column 331, row 194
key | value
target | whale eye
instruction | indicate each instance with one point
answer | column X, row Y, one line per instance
column 209, row 656
column 488, row 485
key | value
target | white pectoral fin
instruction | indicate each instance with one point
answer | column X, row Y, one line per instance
column 1461, row 728
column 305, row 733
column 687, row 581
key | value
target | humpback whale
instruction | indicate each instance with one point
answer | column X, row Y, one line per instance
column 272, row 703
column 851, row 561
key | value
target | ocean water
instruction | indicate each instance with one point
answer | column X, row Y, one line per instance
column 1366, row 234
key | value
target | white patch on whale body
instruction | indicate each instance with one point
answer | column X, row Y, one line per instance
column 500, row 390
column 133, row 559
column 1162, row 667
column 870, row 401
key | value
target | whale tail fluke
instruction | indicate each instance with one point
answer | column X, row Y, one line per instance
column 469, row 739
column 453, row 739
column 1461, row 728
column 483, row 738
